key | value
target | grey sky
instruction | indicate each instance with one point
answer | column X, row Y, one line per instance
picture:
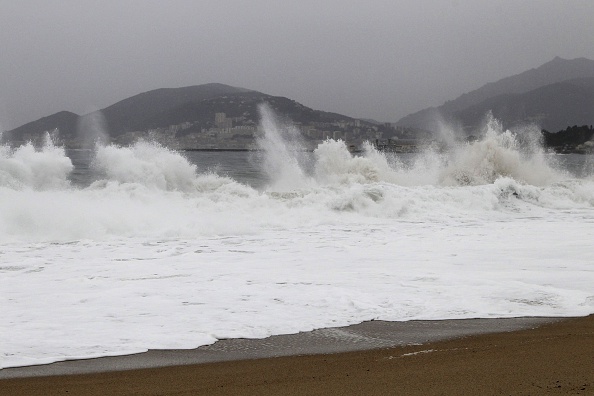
column 370, row 59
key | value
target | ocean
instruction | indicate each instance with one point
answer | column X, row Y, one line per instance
column 117, row 250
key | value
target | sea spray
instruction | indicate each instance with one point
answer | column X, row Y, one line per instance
column 448, row 132
column 39, row 169
column 336, row 165
column 500, row 153
column 92, row 130
column 146, row 163
column 368, row 183
column 284, row 158
column 149, row 190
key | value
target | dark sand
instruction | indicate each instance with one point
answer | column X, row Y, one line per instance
column 556, row 358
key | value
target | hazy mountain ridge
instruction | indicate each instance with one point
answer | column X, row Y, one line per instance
column 124, row 115
column 551, row 72
column 167, row 106
column 64, row 121
column 239, row 105
column 552, row 107
column 132, row 113
column 178, row 112
column 556, row 71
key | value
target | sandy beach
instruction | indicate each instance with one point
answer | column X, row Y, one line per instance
column 554, row 358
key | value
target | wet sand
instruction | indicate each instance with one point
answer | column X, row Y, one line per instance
column 553, row 358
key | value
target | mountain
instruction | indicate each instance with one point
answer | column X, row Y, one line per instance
column 240, row 105
column 169, row 106
column 552, row 107
column 65, row 121
column 202, row 116
column 132, row 113
column 129, row 114
column 507, row 92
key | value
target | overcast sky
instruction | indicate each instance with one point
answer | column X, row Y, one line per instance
column 369, row 59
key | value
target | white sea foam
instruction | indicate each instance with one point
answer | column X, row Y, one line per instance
column 500, row 154
column 147, row 164
column 29, row 168
column 157, row 253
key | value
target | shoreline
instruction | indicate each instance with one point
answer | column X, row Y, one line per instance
column 363, row 336
column 553, row 358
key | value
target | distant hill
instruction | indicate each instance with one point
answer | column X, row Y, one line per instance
column 552, row 107
column 64, row 121
column 133, row 113
column 161, row 108
column 522, row 90
column 242, row 105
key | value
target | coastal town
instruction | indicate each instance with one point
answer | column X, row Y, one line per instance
column 242, row 133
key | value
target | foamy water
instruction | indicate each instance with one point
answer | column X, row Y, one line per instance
column 158, row 253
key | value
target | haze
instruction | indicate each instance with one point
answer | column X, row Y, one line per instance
column 378, row 59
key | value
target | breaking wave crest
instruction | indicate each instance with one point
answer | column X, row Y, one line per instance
column 145, row 163
column 501, row 153
column 335, row 165
column 149, row 190
column 28, row 168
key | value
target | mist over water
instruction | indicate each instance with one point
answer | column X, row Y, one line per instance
column 92, row 130
column 284, row 161
column 115, row 250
